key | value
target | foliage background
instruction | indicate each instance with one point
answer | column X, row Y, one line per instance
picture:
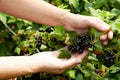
column 14, row 30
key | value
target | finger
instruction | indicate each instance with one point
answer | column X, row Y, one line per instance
column 71, row 62
column 99, row 24
column 103, row 37
column 105, row 42
column 110, row 35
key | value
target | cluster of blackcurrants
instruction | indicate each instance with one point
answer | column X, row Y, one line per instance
column 39, row 39
column 82, row 43
column 108, row 57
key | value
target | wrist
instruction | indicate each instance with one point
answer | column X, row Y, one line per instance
column 35, row 64
column 64, row 18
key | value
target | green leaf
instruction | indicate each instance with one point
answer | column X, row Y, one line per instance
column 98, row 46
column 64, row 53
column 79, row 77
column 17, row 50
column 58, row 33
column 43, row 47
column 90, row 67
column 71, row 73
column 3, row 18
column 99, row 3
column 75, row 3
column 114, row 69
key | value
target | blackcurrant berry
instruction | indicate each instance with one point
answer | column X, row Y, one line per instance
column 115, row 51
column 90, row 45
column 83, row 37
column 49, row 29
column 79, row 41
column 78, row 47
column 80, row 50
column 111, row 53
column 41, row 31
column 38, row 45
column 74, row 48
column 85, row 44
column 70, row 47
column 111, row 60
column 39, row 38
column 107, row 58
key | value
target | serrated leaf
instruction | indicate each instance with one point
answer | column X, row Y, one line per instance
column 64, row 53
column 71, row 73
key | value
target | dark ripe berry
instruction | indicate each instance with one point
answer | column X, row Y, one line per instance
column 74, row 48
column 85, row 44
column 111, row 60
column 30, row 46
column 41, row 31
column 80, row 51
column 107, row 58
column 49, row 29
column 38, row 45
column 39, row 41
column 79, row 41
column 36, row 51
column 70, row 47
column 39, row 38
column 111, row 53
column 88, row 38
column 90, row 45
column 115, row 51
column 53, row 39
column 78, row 47
column 83, row 38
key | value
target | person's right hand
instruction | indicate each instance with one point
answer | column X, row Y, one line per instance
column 49, row 62
column 80, row 24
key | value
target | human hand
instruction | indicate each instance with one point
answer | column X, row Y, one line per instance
column 80, row 24
column 49, row 62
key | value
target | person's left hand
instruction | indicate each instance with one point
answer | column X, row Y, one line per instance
column 49, row 62
column 80, row 24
